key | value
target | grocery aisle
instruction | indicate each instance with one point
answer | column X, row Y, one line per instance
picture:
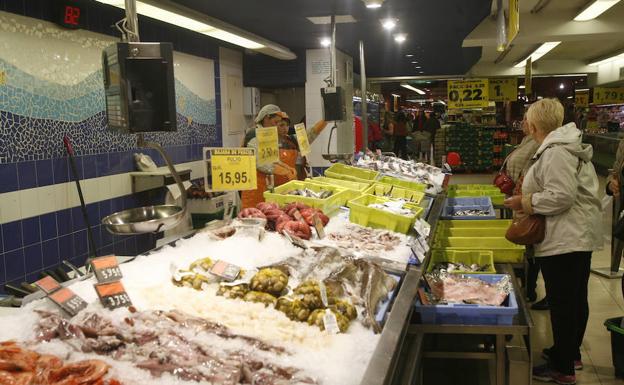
column 605, row 301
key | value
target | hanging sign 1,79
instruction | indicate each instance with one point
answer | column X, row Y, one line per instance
column 233, row 169
column 472, row 93
column 268, row 145
column 503, row 89
column 608, row 95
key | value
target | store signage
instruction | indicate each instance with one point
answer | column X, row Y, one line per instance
column 69, row 13
column 528, row 77
column 302, row 139
column 611, row 95
column 268, row 145
column 112, row 295
column 513, row 25
column 106, row 269
column 471, row 93
column 581, row 98
column 232, row 169
column 503, row 89
column 67, row 300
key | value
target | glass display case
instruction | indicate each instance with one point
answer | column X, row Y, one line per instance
column 605, row 147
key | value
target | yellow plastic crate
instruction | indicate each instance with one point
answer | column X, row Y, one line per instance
column 363, row 215
column 504, row 251
column 355, row 174
column 471, row 232
column 467, row 257
column 497, row 197
column 383, row 189
column 353, row 189
column 403, row 183
column 328, row 205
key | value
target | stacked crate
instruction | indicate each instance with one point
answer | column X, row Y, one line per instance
column 474, row 144
column 439, row 144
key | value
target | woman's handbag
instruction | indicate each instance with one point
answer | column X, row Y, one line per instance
column 527, row 230
column 503, row 181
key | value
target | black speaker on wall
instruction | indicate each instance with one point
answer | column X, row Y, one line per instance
column 333, row 104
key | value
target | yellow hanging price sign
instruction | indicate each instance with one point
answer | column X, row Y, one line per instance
column 268, row 145
column 472, row 93
column 233, row 169
column 503, row 89
column 581, row 98
column 608, row 95
column 302, row 139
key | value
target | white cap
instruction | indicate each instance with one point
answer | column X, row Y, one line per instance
column 269, row 109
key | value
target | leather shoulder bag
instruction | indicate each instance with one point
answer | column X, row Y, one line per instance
column 503, row 181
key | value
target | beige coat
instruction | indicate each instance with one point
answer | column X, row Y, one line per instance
column 518, row 161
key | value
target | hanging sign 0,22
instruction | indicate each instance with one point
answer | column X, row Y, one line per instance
column 472, row 93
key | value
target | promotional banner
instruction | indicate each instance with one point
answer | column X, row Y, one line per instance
column 470, row 93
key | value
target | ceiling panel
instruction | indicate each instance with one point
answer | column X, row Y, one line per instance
column 435, row 30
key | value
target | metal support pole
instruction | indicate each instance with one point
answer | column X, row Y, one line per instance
column 364, row 99
column 132, row 21
column 332, row 52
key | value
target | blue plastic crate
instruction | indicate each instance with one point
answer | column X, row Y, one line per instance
column 466, row 314
column 452, row 205
column 469, row 201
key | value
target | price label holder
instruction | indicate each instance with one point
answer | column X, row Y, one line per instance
column 48, row 285
column 225, row 270
column 581, row 98
column 302, row 139
column 330, row 322
column 230, row 169
column 268, row 145
column 418, row 252
column 67, row 300
column 295, row 240
column 298, row 217
column 112, row 295
column 318, row 226
column 106, row 269
column 608, row 95
column 472, row 93
column 503, row 89
column 422, row 228
column 423, row 244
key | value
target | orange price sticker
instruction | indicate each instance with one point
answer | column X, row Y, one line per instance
column 48, row 284
column 106, row 269
column 68, row 301
column 112, row 295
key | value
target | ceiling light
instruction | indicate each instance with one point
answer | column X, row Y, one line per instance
column 400, row 37
column 418, row 67
column 373, row 4
column 561, row 86
column 570, row 97
column 389, row 24
column 409, row 55
column 441, row 101
column 396, row 95
column 608, row 60
column 421, row 72
column 539, row 52
column 325, row 42
column 412, row 88
column 190, row 23
column 581, row 89
column 522, row 86
column 595, row 9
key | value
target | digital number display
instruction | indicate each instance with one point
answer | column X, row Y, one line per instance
column 69, row 13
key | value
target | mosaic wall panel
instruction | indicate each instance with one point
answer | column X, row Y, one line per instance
column 51, row 86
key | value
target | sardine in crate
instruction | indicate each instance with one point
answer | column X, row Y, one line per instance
column 329, row 205
column 469, row 314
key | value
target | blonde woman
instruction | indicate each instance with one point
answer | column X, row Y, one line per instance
column 562, row 185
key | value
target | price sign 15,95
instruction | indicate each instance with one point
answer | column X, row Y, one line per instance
column 233, row 169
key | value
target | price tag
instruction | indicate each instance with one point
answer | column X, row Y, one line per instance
column 422, row 228
column 473, row 93
column 318, row 226
column 581, row 98
column 268, row 145
column 68, row 301
column 323, row 291
column 330, row 322
column 298, row 217
column 503, row 89
column 233, row 169
column 418, row 252
column 48, row 284
column 423, row 244
column 225, row 270
column 106, row 269
column 295, row 240
column 112, row 295
column 302, row 139
column 611, row 95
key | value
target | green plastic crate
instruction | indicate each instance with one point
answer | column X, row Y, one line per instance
column 504, row 251
column 382, row 189
column 476, row 190
column 475, row 224
column 363, row 215
column 471, row 232
column 351, row 185
column 403, row 183
column 356, row 174
column 328, row 205
column 467, row 257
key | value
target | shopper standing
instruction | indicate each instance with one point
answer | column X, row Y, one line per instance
column 400, row 131
column 614, row 181
column 562, row 186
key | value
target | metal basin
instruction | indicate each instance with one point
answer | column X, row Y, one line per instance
column 150, row 219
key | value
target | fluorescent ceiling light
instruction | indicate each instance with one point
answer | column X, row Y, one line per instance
column 522, row 86
column 412, row 88
column 388, row 24
column 396, row 95
column 570, row 97
column 595, row 9
column 608, row 60
column 539, row 52
column 400, row 37
column 189, row 23
column 325, row 42
column 373, row 4
column 581, row 89
column 414, row 62
column 340, row 19
column 418, row 67
column 409, row 55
